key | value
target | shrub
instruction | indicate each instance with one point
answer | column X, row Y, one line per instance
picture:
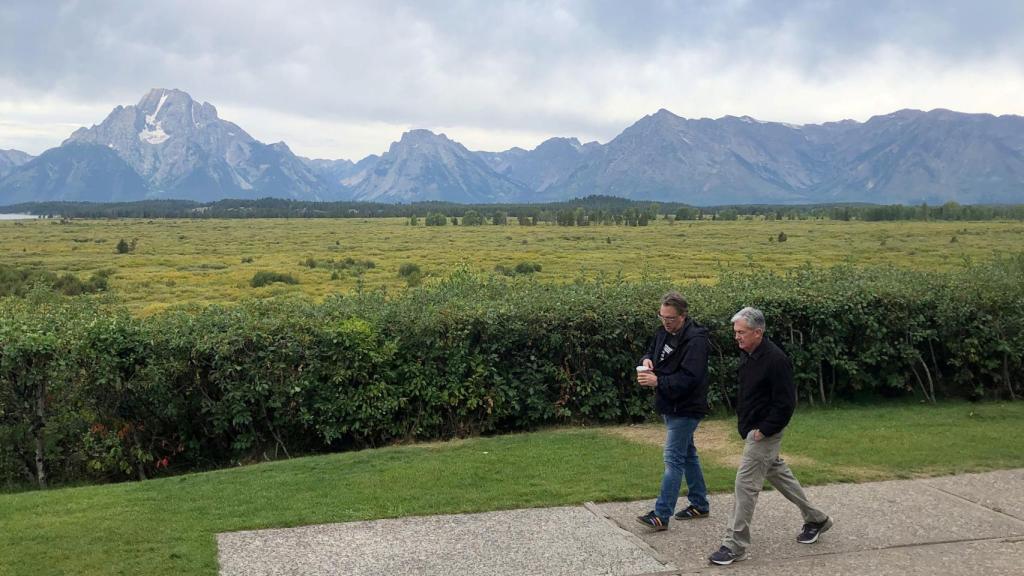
column 357, row 267
column 521, row 268
column 472, row 218
column 436, row 219
column 407, row 269
column 70, row 285
column 17, row 281
column 192, row 389
column 527, row 268
column 263, row 278
column 124, row 247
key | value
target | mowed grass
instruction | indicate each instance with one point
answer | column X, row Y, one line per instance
column 168, row 526
column 208, row 261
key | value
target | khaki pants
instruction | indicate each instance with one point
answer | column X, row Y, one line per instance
column 760, row 461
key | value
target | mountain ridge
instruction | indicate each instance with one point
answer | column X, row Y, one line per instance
column 11, row 159
column 181, row 148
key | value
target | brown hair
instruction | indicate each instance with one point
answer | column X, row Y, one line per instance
column 676, row 300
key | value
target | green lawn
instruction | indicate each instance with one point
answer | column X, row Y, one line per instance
column 167, row 526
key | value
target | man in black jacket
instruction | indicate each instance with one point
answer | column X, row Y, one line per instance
column 767, row 398
column 676, row 367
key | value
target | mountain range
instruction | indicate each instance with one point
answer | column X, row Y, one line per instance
column 170, row 146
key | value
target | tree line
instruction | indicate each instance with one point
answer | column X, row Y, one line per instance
column 601, row 210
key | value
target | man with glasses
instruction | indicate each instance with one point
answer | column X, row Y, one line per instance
column 676, row 367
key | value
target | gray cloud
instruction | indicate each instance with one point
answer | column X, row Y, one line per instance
column 525, row 70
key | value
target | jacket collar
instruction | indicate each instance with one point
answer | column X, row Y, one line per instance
column 761, row 349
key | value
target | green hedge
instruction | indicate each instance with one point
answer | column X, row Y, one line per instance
column 97, row 394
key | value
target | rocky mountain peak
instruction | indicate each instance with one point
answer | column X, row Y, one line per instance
column 664, row 114
column 182, row 147
column 11, row 159
column 156, row 97
column 558, row 144
column 424, row 165
column 420, row 144
column 423, row 137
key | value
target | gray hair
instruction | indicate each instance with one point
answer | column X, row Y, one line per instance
column 753, row 317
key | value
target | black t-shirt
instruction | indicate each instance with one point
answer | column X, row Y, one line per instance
column 671, row 343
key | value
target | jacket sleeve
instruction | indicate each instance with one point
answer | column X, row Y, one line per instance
column 691, row 373
column 783, row 400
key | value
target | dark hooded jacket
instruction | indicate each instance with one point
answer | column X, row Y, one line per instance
column 683, row 373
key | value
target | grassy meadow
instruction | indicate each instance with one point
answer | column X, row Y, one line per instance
column 213, row 261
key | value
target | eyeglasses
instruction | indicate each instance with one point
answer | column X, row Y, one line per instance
column 667, row 318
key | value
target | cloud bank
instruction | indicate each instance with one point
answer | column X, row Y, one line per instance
column 344, row 79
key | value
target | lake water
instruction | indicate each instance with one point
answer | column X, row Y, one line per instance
column 16, row 216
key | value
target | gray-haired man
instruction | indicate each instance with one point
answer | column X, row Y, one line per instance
column 767, row 398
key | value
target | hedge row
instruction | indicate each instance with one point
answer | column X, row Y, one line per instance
column 88, row 392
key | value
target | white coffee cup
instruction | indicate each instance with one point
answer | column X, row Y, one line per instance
column 640, row 369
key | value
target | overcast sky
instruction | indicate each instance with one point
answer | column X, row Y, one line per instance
column 340, row 79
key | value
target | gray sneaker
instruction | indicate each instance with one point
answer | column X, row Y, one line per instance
column 724, row 557
column 811, row 531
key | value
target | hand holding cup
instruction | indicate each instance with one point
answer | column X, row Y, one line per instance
column 646, row 377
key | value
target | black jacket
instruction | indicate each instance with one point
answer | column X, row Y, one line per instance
column 683, row 374
column 767, row 394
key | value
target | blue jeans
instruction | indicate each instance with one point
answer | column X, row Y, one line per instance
column 681, row 459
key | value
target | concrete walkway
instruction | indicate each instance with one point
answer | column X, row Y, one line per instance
column 956, row 525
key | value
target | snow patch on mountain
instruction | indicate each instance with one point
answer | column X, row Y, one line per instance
column 154, row 135
column 154, row 132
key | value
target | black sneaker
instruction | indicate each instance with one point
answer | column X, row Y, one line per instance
column 724, row 557
column 812, row 530
column 691, row 512
column 651, row 520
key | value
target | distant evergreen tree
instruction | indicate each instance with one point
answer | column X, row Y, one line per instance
column 580, row 215
column 435, row 219
column 472, row 218
column 565, row 217
column 686, row 213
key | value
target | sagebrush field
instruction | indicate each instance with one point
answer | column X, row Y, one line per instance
column 204, row 261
